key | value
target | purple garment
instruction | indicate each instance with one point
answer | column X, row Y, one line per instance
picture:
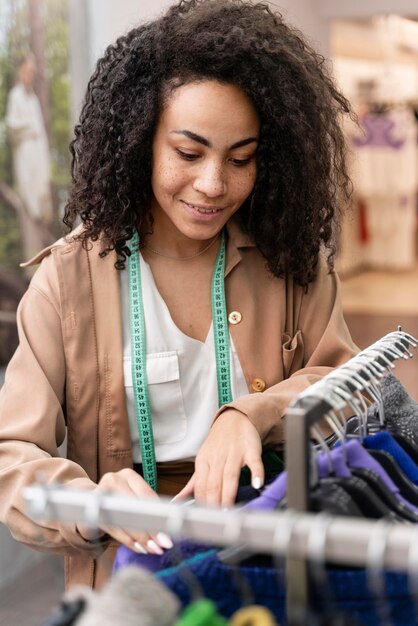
column 270, row 496
column 357, row 457
column 378, row 129
column 125, row 556
column 333, row 463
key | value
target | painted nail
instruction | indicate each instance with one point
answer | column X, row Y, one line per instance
column 153, row 548
column 139, row 548
column 164, row 541
column 256, row 482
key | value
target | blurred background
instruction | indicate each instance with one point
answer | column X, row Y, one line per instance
column 48, row 49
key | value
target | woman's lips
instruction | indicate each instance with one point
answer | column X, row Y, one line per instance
column 202, row 211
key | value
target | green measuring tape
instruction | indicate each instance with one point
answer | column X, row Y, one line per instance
column 139, row 351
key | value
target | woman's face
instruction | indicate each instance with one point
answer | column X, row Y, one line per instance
column 204, row 159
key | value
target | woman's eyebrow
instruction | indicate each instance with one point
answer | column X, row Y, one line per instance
column 206, row 142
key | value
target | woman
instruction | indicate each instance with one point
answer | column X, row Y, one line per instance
column 197, row 297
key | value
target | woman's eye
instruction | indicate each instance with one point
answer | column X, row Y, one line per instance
column 241, row 162
column 188, row 156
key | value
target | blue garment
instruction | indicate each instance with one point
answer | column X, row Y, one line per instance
column 349, row 589
column 385, row 441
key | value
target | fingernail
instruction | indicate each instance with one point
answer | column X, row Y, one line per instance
column 139, row 548
column 256, row 482
column 164, row 541
column 153, row 548
column 172, row 499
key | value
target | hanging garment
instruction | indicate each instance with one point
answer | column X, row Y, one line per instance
column 348, row 586
column 384, row 441
column 385, row 154
column 340, row 462
column 132, row 592
column 401, row 411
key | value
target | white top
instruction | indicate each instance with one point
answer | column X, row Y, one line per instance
column 181, row 373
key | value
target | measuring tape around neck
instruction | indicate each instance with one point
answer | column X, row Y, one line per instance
column 139, row 351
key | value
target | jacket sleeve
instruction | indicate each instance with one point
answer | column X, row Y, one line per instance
column 320, row 341
column 32, row 423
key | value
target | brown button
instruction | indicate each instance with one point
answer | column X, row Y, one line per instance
column 235, row 317
column 258, row 384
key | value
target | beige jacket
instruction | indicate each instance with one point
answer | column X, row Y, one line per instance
column 67, row 372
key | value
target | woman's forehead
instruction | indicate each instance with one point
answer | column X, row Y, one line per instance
column 212, row 106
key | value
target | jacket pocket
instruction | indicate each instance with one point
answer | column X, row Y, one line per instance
column 292, row 353
column 166, row 401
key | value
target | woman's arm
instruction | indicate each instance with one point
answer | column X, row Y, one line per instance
column 32, row 423
column 32, row 426
column 320, row 342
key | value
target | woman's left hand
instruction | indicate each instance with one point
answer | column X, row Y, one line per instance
column 232, row 442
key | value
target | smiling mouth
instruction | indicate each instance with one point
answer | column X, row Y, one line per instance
column 202, row 209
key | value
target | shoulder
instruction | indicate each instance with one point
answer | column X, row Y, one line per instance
column 53, row 264
column 64, row 245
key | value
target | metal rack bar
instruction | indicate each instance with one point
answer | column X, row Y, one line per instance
column 347, row 539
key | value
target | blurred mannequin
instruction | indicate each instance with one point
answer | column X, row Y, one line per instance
column 30, row 157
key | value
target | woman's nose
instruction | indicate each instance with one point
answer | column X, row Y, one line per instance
column 210, row 181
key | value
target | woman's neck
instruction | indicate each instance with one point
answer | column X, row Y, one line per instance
column 165, row 240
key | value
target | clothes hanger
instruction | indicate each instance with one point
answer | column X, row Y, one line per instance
column 368, row 499
column 375, row 572
column 412, row 571
column 372, row 427
column 360, row 497
column 374, row 480
column 250, row 614
column 328, row 613
column 200, row 610
column 408, row 488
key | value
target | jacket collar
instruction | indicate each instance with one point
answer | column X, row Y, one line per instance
column 237, row 240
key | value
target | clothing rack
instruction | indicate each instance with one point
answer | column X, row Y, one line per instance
column 286, row 533
column 294, row 534
column 332, row 393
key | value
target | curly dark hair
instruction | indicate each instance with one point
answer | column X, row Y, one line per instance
column 302, row 181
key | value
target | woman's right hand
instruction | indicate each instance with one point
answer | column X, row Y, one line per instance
column 127, row 482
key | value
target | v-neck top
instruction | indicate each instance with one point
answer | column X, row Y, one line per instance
column 181, row 374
